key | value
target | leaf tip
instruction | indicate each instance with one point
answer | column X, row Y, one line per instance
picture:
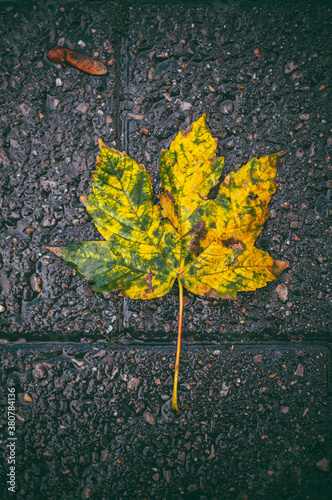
column 83, row 199
column 279, row 266
column 282, row 153
column 56, row 250
column 101, row 143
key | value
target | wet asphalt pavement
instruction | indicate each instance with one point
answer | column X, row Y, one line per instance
column 96, row 423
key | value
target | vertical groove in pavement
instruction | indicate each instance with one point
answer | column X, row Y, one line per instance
column 121, row 125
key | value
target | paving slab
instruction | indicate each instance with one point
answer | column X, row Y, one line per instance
column 95, row 421
column 51, row 118
column 260, row 70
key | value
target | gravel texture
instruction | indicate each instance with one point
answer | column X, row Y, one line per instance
column 95, row 422
column 93, row 417
column 261, row 71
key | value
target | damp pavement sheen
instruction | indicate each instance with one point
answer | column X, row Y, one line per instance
column 95, row 421
column 93, row 413
column 260, row 72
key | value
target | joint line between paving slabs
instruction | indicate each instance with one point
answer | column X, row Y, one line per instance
column 121, row 125
column 121, row 72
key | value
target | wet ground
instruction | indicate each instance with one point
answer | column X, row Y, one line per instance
column 262, row 73
column 96, row 423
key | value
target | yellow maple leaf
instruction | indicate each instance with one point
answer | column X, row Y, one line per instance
column 207, row 245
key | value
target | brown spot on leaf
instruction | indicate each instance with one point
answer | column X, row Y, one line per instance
column 234, row 244
column 229, row 297
column 227, row 180
column 56, row 250
column 199, row 232
column 148, row 280
column 212, row 293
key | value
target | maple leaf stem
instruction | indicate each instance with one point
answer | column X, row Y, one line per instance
column 178, row 348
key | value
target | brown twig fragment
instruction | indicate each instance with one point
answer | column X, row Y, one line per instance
column 77, row 59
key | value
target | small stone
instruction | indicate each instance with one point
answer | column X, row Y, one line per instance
column 54, row 103
column 58, row 82
column 185, row 106
column 108, row 47
column 155, row 476
column 186, row 301
column 25, row 109
column 282, row 292
column 216, row 352
column 2, row 308
column 100, row 354
column 48, row 454
column 323, row 465
column 83, row 107
column 224, row 389
column 86, row 493
column 258, row 358
column 212, row 455
column 192, row 487
column 36, row 283
column 304, row 116
column 81, row 44
column 290, row 67
column 27, row 398
column 299, row 371
column 39, row 371
column 87, row 291
column 149, row 418
column 227, row 107
column 133, row 384
column 273, row 213
column 45, row 222
column 285, row 409
column 77, row 362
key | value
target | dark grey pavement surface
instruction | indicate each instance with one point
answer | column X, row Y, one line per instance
column 262, row 73
column 93, row 420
